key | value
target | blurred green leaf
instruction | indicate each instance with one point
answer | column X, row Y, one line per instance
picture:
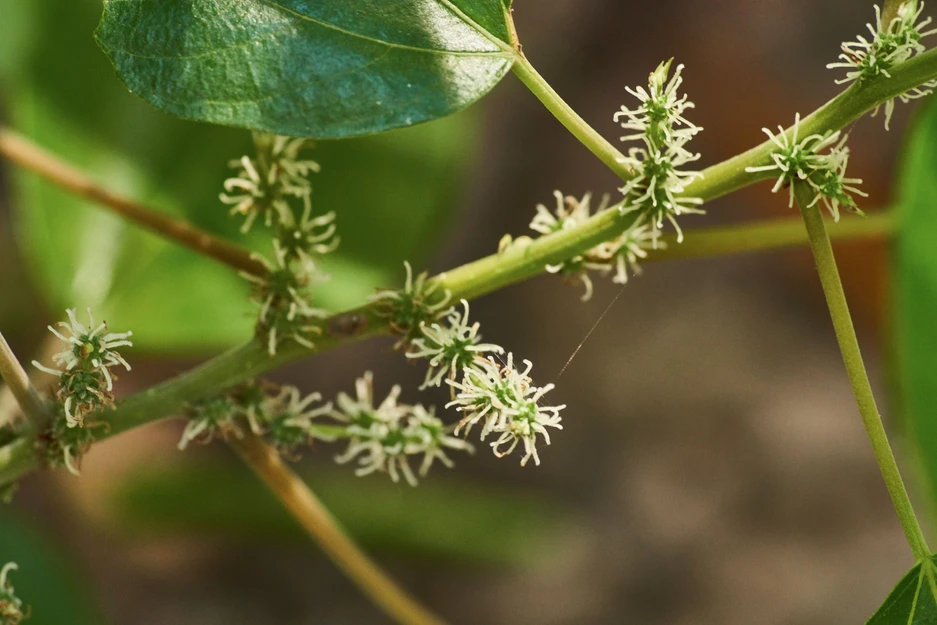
column 915, row 275
column 914, row 599
column 444, row 519
column 326, row 69
column 392, row 194
column 44, row 580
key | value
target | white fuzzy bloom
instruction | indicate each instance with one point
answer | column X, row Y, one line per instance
column 658, row 186
column 890, row 45
column 661, row 107
column 263, row 184
column 383, row 437
column 627, row 251
column 799, row 159
column 449, row 346
column 505, row 399
column 90, row 347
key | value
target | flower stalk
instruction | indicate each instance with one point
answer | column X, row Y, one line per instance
column 855, row 368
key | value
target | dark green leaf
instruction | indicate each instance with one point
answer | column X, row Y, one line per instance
column 914, row 599
column 441, row 519
column 316, row 68
column 915, row 277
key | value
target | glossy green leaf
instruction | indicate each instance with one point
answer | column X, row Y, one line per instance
column 914, row 599
column 443, row 518
column 44, row 581
column 63, row 95
column 316, row 68
column 915, row 276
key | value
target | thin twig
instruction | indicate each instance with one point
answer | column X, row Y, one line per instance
column 18, row 382
column 23, row 152
column 315, row 518
column 855, row 368
column 40, row 380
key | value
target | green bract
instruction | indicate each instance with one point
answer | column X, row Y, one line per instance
column 323, row 68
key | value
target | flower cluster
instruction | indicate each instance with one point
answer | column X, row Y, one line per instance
column 450, row 346
column 817, row 160
column 382, row 437
column 280, row 414
column 619, row 255
column 508, row 403
column 11, row 607
column 657, row 187
column 275, row 185
column 264, row 185
column 891, row 44
column 86, row 381
column 419, row 302
column 63, row 445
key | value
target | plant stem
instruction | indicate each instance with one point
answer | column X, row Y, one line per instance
column 315, row 518
column 18, row 382
column 252, row 359
column 852, row 357
column 24, row 153
column 587, row 135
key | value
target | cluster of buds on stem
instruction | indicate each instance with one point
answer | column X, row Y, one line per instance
column 818, row 160
column 11, row 607
column 656, row 190
column 275, row 187
column 86, row 383
column 456, row 355
column 619, row 256
column 892, row 43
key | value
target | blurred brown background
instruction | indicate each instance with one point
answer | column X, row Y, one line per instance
column 712, row 468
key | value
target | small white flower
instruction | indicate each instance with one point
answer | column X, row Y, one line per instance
column 282, row 294
column 626, row 251
column 890, row 45
column 418, row 302
column 10, row 605
column 661, row 108
column 508, row 403
column 309, row 238
column 658, row 185
column 450, row 346
column 382, row 438
column 90, row 348
column 801, row 160
column 209, row 419
column 263, row 185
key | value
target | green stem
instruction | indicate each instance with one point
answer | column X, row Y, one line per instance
column 586, row 134
column 252, row 360
column 852, row 357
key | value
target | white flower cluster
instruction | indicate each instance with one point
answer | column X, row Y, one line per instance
column 275, row 185
column 621, row 254
column 383, row 437
column 658, row 185
column 508, row 403
column 799, row 159
column 891, row 44
column 11, row 607
column 407, row 310
column 264, row 184
column 450, row 346
column 86, row 381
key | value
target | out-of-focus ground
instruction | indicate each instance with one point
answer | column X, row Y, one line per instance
column 712, row 468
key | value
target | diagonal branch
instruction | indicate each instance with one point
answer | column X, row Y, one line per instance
column 18, row 383
column 306, row 508
column 21, row 151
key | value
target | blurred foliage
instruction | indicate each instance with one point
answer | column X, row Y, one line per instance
column 913, row 601
column 915, row 270
column 44, row 580
column 444, row 520
column 392, row 193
